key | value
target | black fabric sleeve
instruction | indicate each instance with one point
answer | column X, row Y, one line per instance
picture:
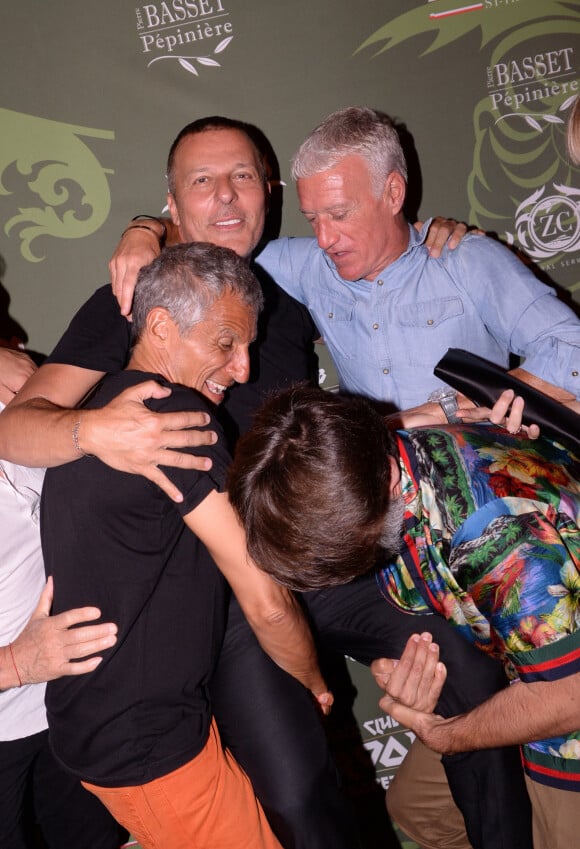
column 194, row 485
column 98, row 337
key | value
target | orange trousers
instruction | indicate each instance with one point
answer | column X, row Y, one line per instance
column 208, row 803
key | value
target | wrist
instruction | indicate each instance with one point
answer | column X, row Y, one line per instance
column 9, row 675
column 81, row 434
column 447, row 400
column 155, row 226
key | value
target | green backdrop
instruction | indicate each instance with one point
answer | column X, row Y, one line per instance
column 93, row 94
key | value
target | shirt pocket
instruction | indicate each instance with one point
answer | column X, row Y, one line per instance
column 429, row 314
column 335, row 319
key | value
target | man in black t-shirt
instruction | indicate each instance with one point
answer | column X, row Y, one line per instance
column 139, row 728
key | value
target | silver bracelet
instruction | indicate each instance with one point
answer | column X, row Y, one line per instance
column 75, row 436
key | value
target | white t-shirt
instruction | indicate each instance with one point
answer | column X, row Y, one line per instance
column 22, row 579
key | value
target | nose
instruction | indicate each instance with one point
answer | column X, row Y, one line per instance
column 326, row 235
column 240, row 365
column 225, row 190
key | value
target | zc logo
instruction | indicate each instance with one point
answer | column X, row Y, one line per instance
column 547, row 225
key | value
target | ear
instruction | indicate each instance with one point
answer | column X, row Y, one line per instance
column 395, row 190
column 395, row 487
column 160, row 327
column 173, row 209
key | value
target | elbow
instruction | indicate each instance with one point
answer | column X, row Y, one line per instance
column 272, row 614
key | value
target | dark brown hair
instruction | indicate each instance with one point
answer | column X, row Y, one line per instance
column 310, row 483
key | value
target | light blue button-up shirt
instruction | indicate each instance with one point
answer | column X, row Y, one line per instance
column 385, row 336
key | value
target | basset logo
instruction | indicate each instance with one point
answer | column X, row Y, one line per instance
column 192, row 33
column 521, row 179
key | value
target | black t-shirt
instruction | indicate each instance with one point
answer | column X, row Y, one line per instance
column 98, row 338
column 116, row 541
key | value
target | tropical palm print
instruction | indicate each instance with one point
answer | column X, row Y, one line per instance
column 493, row 544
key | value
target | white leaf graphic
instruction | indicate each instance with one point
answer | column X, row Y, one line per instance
column 533, row 123
column 188, row 67
column 568, row 102
column 203, row 60
column 553, row 119
column 223, row 44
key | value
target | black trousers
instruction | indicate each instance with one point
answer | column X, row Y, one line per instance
column 65, row 812
column 270, row 723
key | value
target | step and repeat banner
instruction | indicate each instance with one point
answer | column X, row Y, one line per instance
column 92, row 95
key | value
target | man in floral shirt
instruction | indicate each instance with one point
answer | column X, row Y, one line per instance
column 491, row 542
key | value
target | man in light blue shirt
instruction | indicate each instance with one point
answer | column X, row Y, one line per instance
column 386, row 309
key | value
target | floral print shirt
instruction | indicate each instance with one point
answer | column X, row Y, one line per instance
column 492, row 543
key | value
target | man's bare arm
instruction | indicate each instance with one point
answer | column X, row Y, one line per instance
column 49, row 647
column 138, row 246
column 272, row 611
column 507, row 412
column 40, row 428
column 521, row 713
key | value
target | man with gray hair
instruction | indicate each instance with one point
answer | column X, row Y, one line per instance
column 387, row 311
column 138, row 731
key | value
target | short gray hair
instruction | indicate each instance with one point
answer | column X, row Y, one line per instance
column 187, row 280
column 355, row 130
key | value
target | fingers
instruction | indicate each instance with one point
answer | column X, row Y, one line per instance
column 83, row 642
column 444, row 232
column 83, row 666
column 45, row 600
column 507, row 412
column 128, row 436
column 413, row 716
column 513, row 417
column 502, row 406
column 381, row 670
column 143, row 391
column 417, row 678
column 325, row 702
column 456, row 235
column 156, row 476
column 137, row 248
column 411, row 680
column 49, row 646
column 77, row 616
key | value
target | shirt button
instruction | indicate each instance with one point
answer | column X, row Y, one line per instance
column 430, row 321
column 375, row 326
column 379, row 282
column 331, row 315
column 386, row 371
column 574, row 373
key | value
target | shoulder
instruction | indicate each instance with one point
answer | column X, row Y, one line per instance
column 485, row 249
column 97, row 337
column 291, row 248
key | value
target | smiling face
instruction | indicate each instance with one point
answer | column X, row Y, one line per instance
column 360, row 231
column 210, row 357
column 213, row 354
column 219, row 195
